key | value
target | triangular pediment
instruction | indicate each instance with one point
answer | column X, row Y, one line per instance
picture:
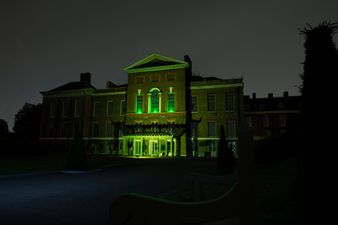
column 156, row 62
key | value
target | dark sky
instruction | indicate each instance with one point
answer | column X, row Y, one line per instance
column 44, row 44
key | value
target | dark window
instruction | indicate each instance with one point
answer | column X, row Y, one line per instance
column 194, row 104
column 110, row 108
column 211, row 128
column 211, row 103
column 229, row 102
column 95, row 129
column 231, row 128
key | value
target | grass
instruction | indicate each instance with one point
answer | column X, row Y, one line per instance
column 275, row 182
column 275, row 192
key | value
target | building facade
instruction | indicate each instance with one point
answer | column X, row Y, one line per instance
column 163, row 111
column 272, row 116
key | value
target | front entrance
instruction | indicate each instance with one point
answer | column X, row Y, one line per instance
column 153, row 147
column 138, row 147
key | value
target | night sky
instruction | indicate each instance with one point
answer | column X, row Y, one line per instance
column 44, row 44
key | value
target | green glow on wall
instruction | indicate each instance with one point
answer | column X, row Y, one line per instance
column 171, row 103
column 154, row 102
column 139, row 104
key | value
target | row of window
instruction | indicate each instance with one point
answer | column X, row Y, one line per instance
column 266, row 120
column 109, row 108
column 155, row 78
column 154, row 101
column 211, row 102
column 230, row 128
column 65, row 109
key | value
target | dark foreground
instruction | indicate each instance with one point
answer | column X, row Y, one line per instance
column 58, row 198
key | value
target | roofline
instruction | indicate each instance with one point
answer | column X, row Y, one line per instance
column 181, row 64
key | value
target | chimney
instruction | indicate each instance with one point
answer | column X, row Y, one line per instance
column 270, row 95
column 85, row 77
column 254, row 95
column 286, row 94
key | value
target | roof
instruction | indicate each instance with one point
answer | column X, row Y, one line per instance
column 73, row 86
column 156, row 62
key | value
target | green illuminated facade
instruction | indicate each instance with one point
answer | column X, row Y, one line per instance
column 150, row 115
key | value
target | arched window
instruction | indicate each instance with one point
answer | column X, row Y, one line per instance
column 154, row 100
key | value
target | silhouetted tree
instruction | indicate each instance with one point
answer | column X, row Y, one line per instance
column 225, row 156
column 319, row 96
column 3, row 129
column 27, row 122
column 76, row 158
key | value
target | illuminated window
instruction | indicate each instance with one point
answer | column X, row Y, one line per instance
column 211, row 128
column 109, row 108
column 154, row 101
column 171, row 102
column 194, row 103
column 139, row 103
column 211, row 103
column 229, row 102
column 231, row 128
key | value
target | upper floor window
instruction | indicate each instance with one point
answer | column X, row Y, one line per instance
column 154, row 78
column 282, row 120
column 154, row 100
column 76, row 108
column 139, row 103
column 64, row 109
column 52, row 110
column 171, row 100
column 211, row 102
column 139, row 80
column 96, row 109
column 266, row 121
column 280, row 105
column 171, row 77
column 122, row 107
column 194, row 103
column 109, row 108
column 229, row 102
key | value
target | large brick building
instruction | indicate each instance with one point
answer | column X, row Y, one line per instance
column 272, row 116
column 163, row 110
